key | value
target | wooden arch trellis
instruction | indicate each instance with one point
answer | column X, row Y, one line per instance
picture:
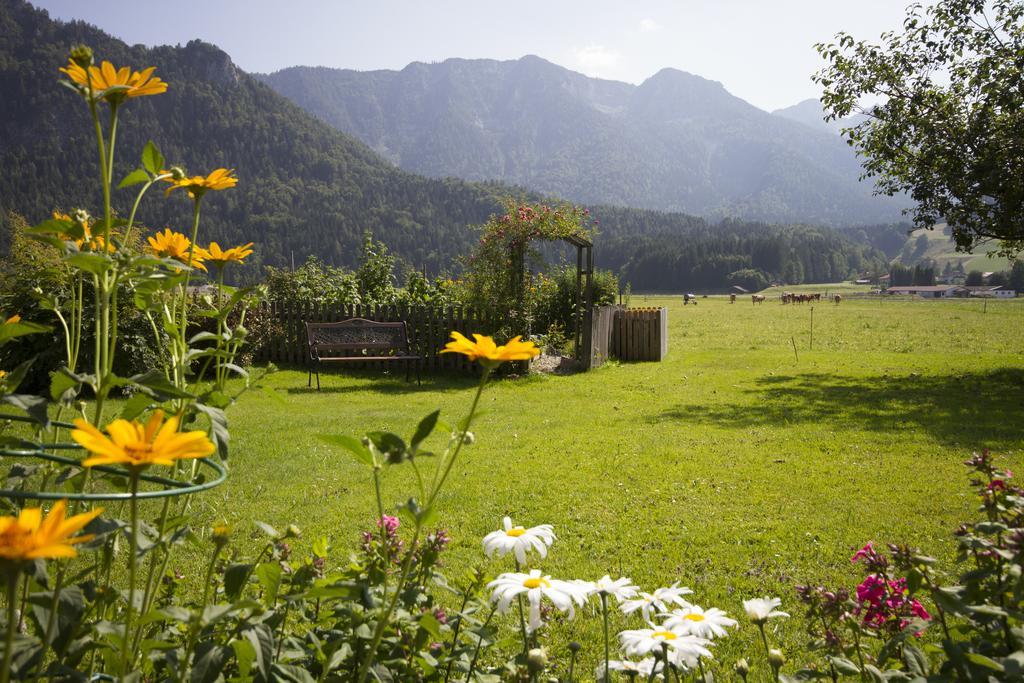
column 584, row 293
column 504, row 247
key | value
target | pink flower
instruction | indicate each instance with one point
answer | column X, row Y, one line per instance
column 389, row 523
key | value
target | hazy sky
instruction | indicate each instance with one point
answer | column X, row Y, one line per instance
column 761, row 50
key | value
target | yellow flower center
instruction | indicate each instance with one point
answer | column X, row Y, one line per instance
column 516, row 531
column 136, row 450
column 695, row 617
column 536, row 582
column 664, row 635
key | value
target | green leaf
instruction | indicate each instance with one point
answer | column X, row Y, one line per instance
column 135, row 406
column 63, row 387
column 982, row 660
column 391, row 446
column 218, row 426
column 268, row 530
column 56, row 226
column 430, row 624
column 35, row 406
column 152, row 159
column 339, row 656
column 97, row 264
column 245, row 656
column 156, row 384
column 262, row 639
column 209, row 661
column 874, row 674
column 350, row 444
column 916, row 660
column 235, row 578
column 269, row 575
column 424, row 429
column 134, row 178
column 21, row 328
column 844, row 666
column 291, row 673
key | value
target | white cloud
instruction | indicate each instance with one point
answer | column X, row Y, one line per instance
column 597, row 60
column 649, row 26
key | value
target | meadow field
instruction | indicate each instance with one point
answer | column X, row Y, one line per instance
column 734, row 466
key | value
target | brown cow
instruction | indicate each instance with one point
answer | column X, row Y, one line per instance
column 837, row 298
column 732, row 298
column 756, row 298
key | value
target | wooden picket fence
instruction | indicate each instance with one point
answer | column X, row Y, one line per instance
column 429, row 330
column 639, row 334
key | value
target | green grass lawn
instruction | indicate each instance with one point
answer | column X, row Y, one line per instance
column 731, row 467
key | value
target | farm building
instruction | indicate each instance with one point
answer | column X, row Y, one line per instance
column 925, row 291
column 999, row 292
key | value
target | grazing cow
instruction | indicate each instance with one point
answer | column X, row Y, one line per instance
column 786, row 298
column 732, row 298
column 757, row 298
column 837, row 298
column 689, row 298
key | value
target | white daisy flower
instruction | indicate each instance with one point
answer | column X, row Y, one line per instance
column 563, row 594
column 640, row 669
column 761, row 610
column 703, row 623
column 662, row 600
column 519, row 540
column 682, row 647
column 620, row 589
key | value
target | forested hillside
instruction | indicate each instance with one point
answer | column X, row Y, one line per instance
column 676, row 142
column 304, row 187
column 711, row 256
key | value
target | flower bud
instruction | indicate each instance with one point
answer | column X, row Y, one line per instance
column 742, row 668
column 574, row 647
column 221, row 534
column 177, row 173
column 536, row 659
column 776, row 658
column 81, row 55
column 81, row 216
column 292, row 532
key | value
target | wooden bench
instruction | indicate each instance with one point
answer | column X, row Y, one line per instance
column 358, row 340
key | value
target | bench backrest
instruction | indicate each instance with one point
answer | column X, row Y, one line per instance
column 357, row 334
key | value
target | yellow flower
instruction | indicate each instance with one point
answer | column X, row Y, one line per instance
column 174, row 245
column 197, row 185
column 30, row 537
column 13, row 319
column 486, row 351
column 126, row 83
column 221, row 257
column 88, row 242
column 139, row 445
column 3, row 375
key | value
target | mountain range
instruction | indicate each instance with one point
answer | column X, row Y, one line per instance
column 676, row 142
column 306, row 188
column 810, row 113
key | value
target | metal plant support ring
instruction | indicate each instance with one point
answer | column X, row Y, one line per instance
column 171, row 487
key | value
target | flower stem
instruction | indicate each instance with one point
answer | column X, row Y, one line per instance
column 607, row 650
column 479, row 645
column 522, row 618
column 382, row 624
column 51, row 622
column 128, row 653
column 12, row 600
